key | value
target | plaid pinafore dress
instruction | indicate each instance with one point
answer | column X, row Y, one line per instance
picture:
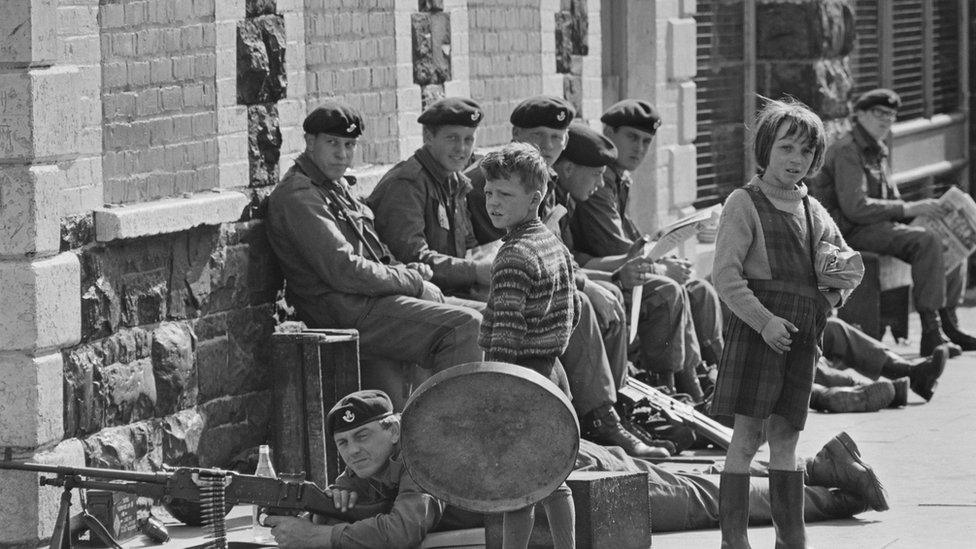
column 753, row 379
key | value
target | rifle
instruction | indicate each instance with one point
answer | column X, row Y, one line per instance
column 216, row 491
column 637, row 393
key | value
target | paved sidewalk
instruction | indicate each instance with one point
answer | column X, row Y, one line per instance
column 924, row 454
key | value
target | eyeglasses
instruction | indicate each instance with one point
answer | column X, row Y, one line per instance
column 879, row 112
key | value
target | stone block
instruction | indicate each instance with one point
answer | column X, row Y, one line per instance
column 135, row 446
column 687, row 112
column 431, row 43
column 40, row 303
column 255, row 8
column 261, row 75
column 31, row 408
column 76, row 231
column 263, row 144
column 786, row 29
column 168, row 215
column 30, row 32
column 173, row 354
column 823, row 85
column 430, row 5
column 682, row 39
column 232, row 424
column 28, row 511
column 29, row 209
column 40, row 117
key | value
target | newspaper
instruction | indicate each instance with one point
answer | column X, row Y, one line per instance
column 956, row 227
column 664, row 240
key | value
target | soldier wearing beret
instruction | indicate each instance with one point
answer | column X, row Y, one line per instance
column 397, row 512
column 340, row 273
column 596, row 359
column 680, row 319
column 421, row 204
column 855, row 186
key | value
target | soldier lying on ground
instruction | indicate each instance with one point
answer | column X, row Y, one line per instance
column 367, row 432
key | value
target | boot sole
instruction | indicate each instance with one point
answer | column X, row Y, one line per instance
column 877, row 498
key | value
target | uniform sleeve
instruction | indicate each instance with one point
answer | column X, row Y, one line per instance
column 598, row 228
column 504, row 336
column 851, row 186
column 736, row 232
column 400, row 223
column 315, row 234
column 413, row 514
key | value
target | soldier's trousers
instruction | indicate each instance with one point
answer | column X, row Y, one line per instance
column 679, row 325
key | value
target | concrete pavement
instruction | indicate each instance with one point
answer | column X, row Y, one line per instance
column 924, row 454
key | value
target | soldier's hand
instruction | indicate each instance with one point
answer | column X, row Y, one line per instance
column 482, row 272
column 635, row 272
column 678, row 270
column 609, row 310
column 422, row 269
column 431, row 292
column 299, row 533
column 929, row 207
column 344, row 499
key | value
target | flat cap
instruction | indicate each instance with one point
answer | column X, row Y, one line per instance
column 452, row 111
column 543, row 110
column 634, row 113
column 334, row 118
column 879, row 97
column 588, row 147
column 357, row 409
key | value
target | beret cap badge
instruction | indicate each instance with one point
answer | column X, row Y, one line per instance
column 349, row 417
column 475, row 116
column 561, row 116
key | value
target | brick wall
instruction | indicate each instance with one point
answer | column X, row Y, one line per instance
column 351, row 53
column 158, row 92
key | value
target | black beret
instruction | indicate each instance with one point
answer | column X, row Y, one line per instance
column 452, row 111
column 882, row 97
column 357, row 409
column 588, row 147
column 334, row 118
column 634, row 113
column 543, row 110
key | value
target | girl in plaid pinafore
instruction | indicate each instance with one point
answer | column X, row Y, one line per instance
column 764, row 271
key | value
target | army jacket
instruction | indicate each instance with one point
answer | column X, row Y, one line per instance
column 600, row 225
column 855, row 182
column 411, row 515
column 328, row 249
column 422, row 214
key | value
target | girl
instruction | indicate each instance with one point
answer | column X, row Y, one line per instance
column 764, row 271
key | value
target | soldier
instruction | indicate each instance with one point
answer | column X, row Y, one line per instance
column 421, row 205
column 339, row 272
column 855, row 186
column 596, row 359
column 680, row 320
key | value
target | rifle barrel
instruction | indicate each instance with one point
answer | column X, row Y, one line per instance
column 114, row 474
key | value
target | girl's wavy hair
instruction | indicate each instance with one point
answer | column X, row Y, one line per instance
column 521, row 160
column 802, row 121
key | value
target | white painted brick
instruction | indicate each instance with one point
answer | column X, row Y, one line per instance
column 682, row 36
column 233, row 175
column 168, row 215
column 28, row 511
column 687, row 112
column 39, row 119
column 29, row 222
column 32, row 408
column 40, row 303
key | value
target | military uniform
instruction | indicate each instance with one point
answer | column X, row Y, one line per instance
column 341, row 275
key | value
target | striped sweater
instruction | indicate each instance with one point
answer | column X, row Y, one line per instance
column 533, row 305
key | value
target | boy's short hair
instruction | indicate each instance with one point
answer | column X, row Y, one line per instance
column 521, row 160
column 803, row 122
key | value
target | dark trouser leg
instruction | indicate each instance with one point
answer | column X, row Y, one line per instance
column 667, row 333
column 590, row 377
column 706, row 313
column 857, row 350
column 915, row 245
column 434, row 335
column 615, row 342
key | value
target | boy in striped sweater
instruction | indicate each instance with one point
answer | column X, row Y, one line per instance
column 532, row 305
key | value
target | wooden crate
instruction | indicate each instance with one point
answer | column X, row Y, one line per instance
column 312, row 370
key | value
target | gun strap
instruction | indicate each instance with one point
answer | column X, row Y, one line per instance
column 98, row 529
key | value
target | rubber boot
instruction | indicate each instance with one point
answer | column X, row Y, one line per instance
column 786, row 506
column 733, row 510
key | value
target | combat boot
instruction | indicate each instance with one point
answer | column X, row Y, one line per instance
column 839, row 465
column 901, row 392
column 950, row 326
column 925, row 375
column 860, row 398
column 603, row 427
column 932, row 335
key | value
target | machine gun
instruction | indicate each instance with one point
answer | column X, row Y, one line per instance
column 215, row 490
column 640, row 394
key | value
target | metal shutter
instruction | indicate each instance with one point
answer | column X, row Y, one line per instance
column 865, row 62
column 945, row 50
column 720, row 87
column 908, row 39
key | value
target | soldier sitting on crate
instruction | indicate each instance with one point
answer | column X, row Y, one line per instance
column 367, row 433
column 340, row 274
